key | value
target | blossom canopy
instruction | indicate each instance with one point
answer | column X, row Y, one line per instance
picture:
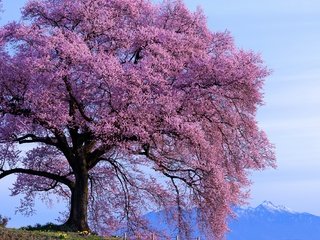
column 127, row 106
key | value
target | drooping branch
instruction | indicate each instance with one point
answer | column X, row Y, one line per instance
column 123, row 180
column 61, row 179
column 194, row 175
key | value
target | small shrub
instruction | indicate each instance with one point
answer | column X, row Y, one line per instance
column 45, row 227
column 3, row 221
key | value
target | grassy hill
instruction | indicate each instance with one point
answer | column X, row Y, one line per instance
column 17, row 234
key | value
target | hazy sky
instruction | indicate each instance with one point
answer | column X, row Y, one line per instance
column 287, row 34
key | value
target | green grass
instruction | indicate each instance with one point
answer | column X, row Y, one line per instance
column 18, row 234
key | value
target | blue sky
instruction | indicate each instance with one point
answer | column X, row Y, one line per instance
column 287, row 34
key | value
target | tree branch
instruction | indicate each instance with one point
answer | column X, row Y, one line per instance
column 31, row 138
column 55, row 177
column 74, row 103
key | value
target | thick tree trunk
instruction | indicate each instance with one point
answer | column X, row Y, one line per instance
column 78, row 218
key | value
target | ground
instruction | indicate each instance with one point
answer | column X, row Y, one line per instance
column 17, row 234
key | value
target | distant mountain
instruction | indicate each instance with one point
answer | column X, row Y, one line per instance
column 265, row 222
column 270, row 222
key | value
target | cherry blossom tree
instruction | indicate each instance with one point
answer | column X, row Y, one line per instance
column 124, row 106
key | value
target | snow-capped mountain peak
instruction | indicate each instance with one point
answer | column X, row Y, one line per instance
column 269, row 221
column 267, row 205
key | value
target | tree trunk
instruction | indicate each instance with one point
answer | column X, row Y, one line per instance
column 78, row 218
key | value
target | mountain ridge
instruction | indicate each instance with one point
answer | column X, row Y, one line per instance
column 267, row 221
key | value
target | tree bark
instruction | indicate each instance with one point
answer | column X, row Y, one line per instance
column 78, row 217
